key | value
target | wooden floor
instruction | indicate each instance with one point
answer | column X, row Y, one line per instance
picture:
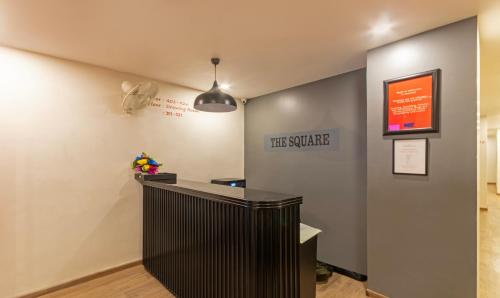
column 137, row 282
column 489, row 274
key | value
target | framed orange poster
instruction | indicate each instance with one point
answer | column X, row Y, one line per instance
column 411, row 104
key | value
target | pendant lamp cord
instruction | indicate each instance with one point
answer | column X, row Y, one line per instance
column 215, row 62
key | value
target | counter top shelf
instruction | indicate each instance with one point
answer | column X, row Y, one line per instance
column 235, row 195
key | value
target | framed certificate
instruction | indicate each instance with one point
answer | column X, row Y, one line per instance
column 411, row 104
column 409, row 156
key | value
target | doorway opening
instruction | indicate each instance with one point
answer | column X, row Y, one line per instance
column 489, row 150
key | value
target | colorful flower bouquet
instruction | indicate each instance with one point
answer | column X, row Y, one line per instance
column 145, row 164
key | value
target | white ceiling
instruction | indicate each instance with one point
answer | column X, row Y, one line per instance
column 265, row 46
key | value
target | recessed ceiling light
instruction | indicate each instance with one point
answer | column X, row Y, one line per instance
column 382, row 27
column 225, row 86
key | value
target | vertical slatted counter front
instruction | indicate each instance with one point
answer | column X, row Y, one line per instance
column 210, row 241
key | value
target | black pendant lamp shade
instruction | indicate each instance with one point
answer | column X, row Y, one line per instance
column 214, row 100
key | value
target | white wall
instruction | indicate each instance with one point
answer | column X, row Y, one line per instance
column 69, row 205
column 492, row 160
column 498, row 161
column 493, row 121
column 482, row 162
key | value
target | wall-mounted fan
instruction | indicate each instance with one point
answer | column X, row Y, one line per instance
column 137, row 96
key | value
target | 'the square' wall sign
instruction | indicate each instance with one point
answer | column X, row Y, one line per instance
column 326, row 139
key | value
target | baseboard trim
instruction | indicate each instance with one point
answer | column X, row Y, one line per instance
column 80, row 280
column 373, row 294
column 351, row 274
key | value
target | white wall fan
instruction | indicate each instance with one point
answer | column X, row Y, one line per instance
column 137, row 96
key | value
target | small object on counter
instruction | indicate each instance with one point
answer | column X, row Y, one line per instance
column 145, row 164
column 170, row 178
column 233, row 182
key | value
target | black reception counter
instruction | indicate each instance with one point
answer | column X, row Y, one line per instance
column 214, row 241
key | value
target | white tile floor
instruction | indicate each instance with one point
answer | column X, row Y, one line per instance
column 489, row 274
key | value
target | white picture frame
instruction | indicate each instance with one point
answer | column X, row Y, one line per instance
column 409, row 156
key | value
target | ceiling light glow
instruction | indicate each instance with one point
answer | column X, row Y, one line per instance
column 225, row 86
column 382, row 27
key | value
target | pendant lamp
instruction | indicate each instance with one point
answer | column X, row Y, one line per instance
column 214, row 100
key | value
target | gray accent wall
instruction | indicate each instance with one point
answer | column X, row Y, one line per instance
column 422, row 230
column 333, row 182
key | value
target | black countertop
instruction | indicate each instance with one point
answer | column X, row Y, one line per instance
column 235, row 195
